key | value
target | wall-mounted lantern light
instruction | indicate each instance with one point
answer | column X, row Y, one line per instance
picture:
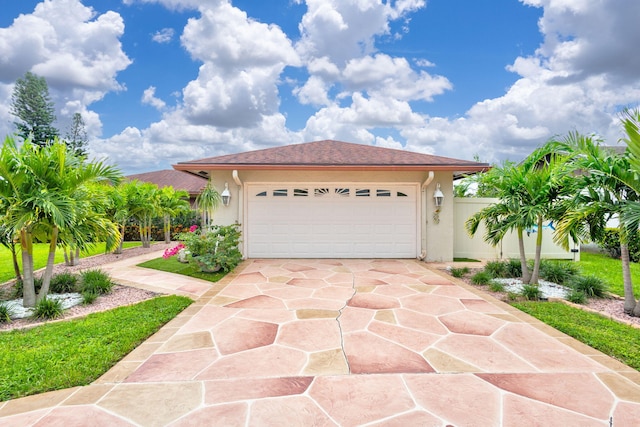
column 438, row 197
column 226, row 195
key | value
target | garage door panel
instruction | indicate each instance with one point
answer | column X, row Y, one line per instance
column 332, row 225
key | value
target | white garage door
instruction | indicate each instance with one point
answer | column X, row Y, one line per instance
column 332, row 221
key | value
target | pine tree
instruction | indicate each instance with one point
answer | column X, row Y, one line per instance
column 76, row 137
column 32, row 105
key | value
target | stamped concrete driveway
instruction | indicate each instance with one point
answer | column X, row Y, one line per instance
column 347, row 342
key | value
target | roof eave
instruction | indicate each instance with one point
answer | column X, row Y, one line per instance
column 409, row 168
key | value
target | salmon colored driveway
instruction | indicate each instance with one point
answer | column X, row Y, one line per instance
column 344, row 342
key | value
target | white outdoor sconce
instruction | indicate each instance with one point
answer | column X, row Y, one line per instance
column 438, row 197
column 226, row 195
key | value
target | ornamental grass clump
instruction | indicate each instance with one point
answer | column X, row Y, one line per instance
column 459, row 272
column 558, row 272
column 481, row 278
column 591, row 286
column 47, row 309
column 63, row 283
column 5, row 313
column 95, row 281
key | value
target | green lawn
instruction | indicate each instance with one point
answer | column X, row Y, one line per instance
column 77, row 352
column 609, row 270
column 615, row 339
column 40, row 253
column 172, row 265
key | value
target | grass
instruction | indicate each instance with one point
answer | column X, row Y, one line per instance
column 77, row 352
column 40, row 253
column 172, row 265
column 608, row 336
column 610, row 271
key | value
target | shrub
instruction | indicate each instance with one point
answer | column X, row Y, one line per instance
column 513, row 268
column 47, row 309
column 496, row 286
column 481, row 278
column 215, row 249
column 495, row 268
column 610, row 243
column 531, row 292
column 591, row 286
column 576, row 297
column 95, row 281
column 63, row 283
column 89, row 298
column 5, row 313
column 557, row 272
column 459, row 272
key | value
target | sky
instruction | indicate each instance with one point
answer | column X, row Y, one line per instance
column 163, row 81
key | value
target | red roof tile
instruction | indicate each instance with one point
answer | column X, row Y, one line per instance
column 330, row 155
column 178, row 180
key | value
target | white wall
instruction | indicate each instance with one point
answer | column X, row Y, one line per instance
column 475, row 247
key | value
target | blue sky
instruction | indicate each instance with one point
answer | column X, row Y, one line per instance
column 162, row 81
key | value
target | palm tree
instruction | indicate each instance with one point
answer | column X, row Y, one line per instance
column 506, row 214
column 529, row 193
column 41, row 189
column 171, row 203
column 142, row 205
column 207, row 202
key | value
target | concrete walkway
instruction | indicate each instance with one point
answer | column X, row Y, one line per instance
column 343, row 342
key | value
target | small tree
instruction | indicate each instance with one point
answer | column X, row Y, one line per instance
column 32, row 105
column 171, row 202
column 207, row 202
column 76, row 137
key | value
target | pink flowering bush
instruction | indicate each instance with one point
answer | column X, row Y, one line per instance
column 168, row 253
column 193, row 228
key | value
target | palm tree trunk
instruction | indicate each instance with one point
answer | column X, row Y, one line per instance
column 167, row 228
column 48, row 271
column 523, row 257
column 536, row 262
column 629, row 299
column 16, row 266
column 28, row 289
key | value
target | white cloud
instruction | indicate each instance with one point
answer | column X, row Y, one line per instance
column 164, row 35
column 149, row 97
column 77, row 51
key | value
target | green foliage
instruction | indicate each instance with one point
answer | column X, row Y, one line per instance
column 459, row 272
column 63, row 283
column 214, row 249
column 495, row 268
column 496, row 286
column 47, row 308
column 610, row 243
column 89, row 297
column 77, row 352
column 76, row 137
column 576, row 297
column 95, row 281
column 591, row 286
column 610, row 271
column 513, row 268
column 606, row 335
column 32, row 105
column 481, row 278
column 559, row 272
column 531, row 292
column 5, row 312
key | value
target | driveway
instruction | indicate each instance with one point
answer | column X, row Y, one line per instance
column 345, row 342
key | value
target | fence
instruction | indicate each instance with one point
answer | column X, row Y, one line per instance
column 465, row 246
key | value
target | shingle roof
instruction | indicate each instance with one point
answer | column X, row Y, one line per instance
column 330, row 154
column 178, row 180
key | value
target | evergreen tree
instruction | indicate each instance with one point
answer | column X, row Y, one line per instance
column 32, row 105
column 76, row 137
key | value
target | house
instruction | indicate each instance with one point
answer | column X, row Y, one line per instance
column 192, row 184
column 332, row 199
